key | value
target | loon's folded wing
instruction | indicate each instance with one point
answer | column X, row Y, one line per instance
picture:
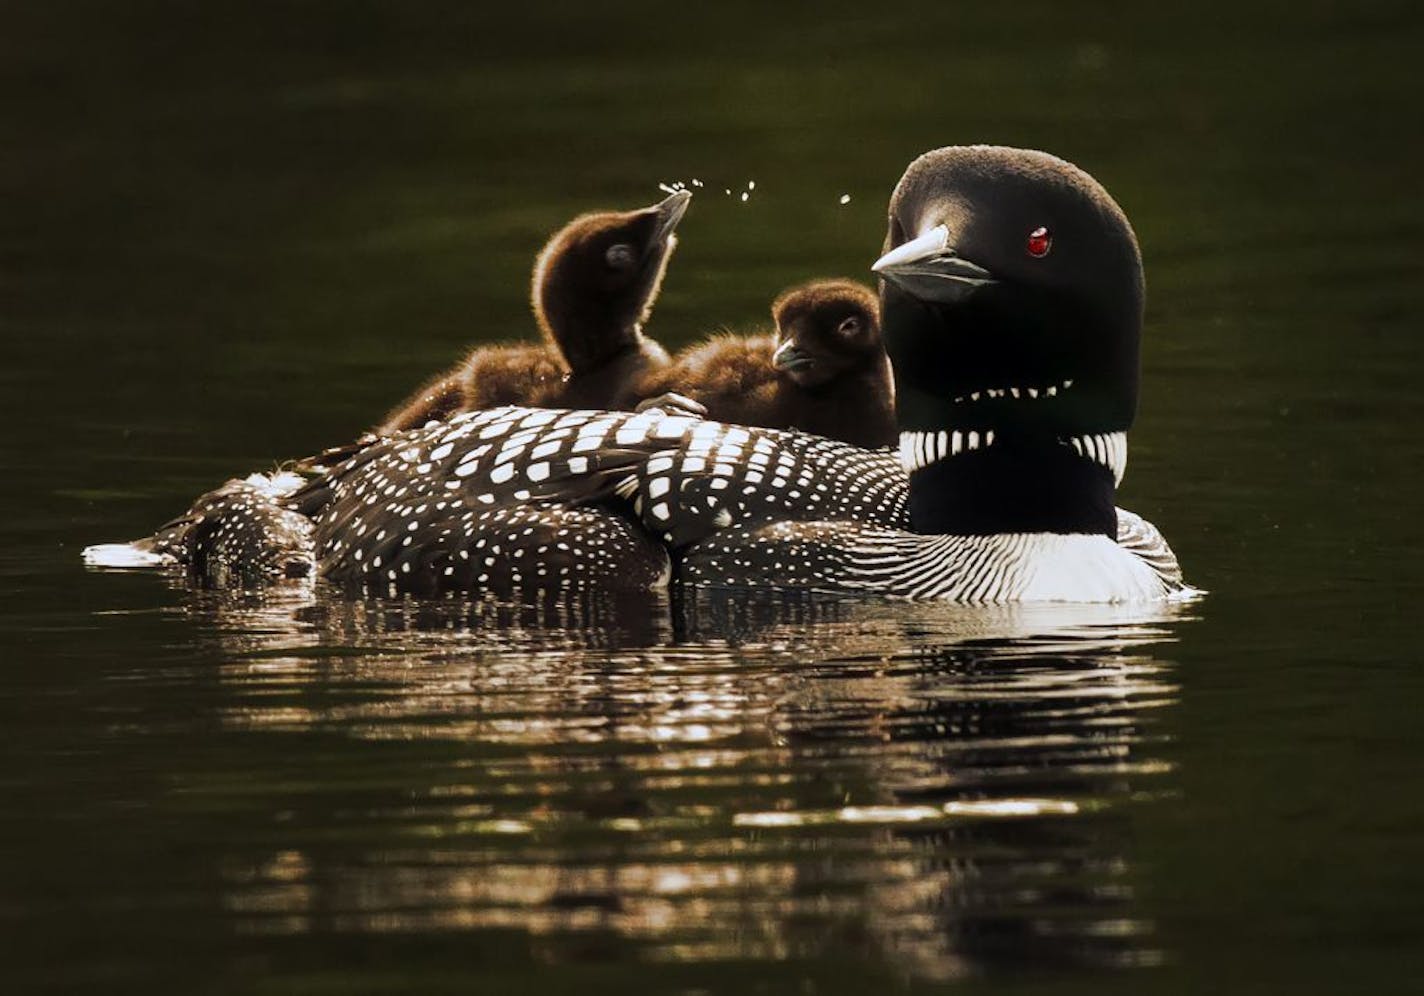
column 498, row 457
column 423, row 510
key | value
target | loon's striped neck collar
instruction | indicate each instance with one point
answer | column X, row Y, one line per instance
column 920, row 449
column 973, row 482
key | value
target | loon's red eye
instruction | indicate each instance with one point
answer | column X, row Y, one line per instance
column 1040, row 240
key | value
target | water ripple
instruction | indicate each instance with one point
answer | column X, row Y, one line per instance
column 938, row 788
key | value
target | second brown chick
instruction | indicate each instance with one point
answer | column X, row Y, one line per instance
column 823, row 371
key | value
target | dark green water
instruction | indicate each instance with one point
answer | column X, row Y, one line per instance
column 232, row 233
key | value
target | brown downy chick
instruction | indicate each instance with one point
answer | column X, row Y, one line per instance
column 824, row 371
column 595, row 283
column 594, row 287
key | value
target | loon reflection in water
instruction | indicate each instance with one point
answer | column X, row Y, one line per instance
column 959, row 773
column 1012, row 310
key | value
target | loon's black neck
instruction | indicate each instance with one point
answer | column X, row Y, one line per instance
column 1016, row 485
column 1043, row 376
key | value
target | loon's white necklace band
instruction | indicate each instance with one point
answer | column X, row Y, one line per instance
column 920, row 449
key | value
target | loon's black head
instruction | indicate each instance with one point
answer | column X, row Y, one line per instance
column 824, row 329
column 596, row 280
column 1012, row 306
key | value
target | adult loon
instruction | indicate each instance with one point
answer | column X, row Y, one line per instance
column 1012, row 305
column 594, row 286
column 823, row 371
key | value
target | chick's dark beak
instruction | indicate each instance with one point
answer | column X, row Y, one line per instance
column 669, row 212
column 928, row 268
column 790, row 357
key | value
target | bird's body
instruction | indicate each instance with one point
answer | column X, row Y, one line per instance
column 531, row 501
column 520, row 502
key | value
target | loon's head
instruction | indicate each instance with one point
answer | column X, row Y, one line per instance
column 1012, row 302
column 595, row 282
column 825, row 329
column 1012, row 307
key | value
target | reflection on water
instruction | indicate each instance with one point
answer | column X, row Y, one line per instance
column 940, row 789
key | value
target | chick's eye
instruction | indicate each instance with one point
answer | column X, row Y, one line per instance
column 619, row 256
column 1040, row 240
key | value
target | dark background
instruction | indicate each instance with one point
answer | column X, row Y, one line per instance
column 231, row 233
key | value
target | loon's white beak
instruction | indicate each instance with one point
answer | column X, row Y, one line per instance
column 929, row 268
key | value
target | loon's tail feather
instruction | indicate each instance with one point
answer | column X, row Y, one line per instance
column 136, row 555
column 235, row 535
